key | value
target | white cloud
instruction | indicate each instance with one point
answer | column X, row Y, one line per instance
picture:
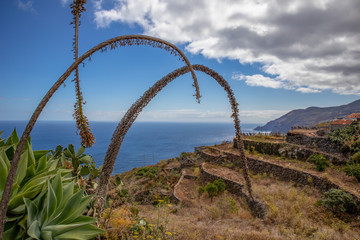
column 65, row 2
column 26, row 6
column 310, row 46
column 307, row 90
column 259, row 80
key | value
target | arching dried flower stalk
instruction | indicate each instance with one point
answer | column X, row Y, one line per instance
column 137, row 107
column 109, row 44
column 82, row 123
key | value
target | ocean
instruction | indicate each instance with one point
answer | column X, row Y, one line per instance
column 146, row 143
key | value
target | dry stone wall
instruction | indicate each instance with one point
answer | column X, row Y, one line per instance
column 321, row 143
column 280, row 172
column 295, row 151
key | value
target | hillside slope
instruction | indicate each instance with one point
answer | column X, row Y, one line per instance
column 309, row 117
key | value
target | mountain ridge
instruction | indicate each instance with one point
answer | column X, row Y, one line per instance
column 309, row 117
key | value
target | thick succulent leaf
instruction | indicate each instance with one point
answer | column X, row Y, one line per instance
column 34, row 230
column 68, row 192
column 85, row 170
column 40, row 153
column 5, row 148
column 30, row 171
column 31, row 160
column 58, row 188
column 32, row 211
column 86, row 159
column 22, row 167
column 18, row 210
column 84, row 202
column 39, row 179
column 81, row 233
column 51, row 202
column 68, row 153
column 22, row 223
column 4, row 170
column 62, row 228
column 72, row 149
column 80, row 151
column 52, row 164
column 18, row 199
column 12, row 233
column 70, row 207
column 46, row 235
column 84, row 219
column 41, row 163
column 13, row 138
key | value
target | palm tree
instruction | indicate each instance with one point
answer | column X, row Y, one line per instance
column 126, row 40
column 138, row 106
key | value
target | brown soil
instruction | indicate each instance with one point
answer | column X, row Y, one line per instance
column 223, row 172
column 187, row 190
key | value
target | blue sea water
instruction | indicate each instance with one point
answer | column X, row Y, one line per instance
column 146, row 143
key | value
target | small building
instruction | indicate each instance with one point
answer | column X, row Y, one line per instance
column 341, row 123
column 354, row 116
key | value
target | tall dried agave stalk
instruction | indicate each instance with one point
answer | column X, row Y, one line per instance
column 137, row 107
column 82, row 123
column 127, row 40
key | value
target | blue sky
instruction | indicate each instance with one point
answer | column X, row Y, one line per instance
column 276, row 56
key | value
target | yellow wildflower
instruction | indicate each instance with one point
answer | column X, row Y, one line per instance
column 169, row 205
column 168, row 233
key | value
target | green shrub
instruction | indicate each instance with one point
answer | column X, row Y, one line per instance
column 353, row 169
column 220, row 184
column 347, row 138
column 82, row 164
column 319, row 160
column 356, row 157
column 339, row 202
column 150, row 172
column 212, row 190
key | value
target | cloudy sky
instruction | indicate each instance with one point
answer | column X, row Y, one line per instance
column 277, row 55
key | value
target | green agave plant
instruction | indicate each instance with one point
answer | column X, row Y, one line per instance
column 57, row 214
column 35, row 172
column 82, row 164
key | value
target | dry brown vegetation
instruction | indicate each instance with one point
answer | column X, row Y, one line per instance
column 293, row 212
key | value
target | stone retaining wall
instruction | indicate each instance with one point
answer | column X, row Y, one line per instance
column 258, row 208
column 321, row 143
column 282, row 173
column 291, row 150
column 233, row 187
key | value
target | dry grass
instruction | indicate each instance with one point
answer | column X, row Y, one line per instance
column 292, row 214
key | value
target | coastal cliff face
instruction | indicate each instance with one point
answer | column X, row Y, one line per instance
column 309, row 117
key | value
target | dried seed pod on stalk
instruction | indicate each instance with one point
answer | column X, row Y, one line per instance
column 137, row 107
column 108, row 44
column 82, row 123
